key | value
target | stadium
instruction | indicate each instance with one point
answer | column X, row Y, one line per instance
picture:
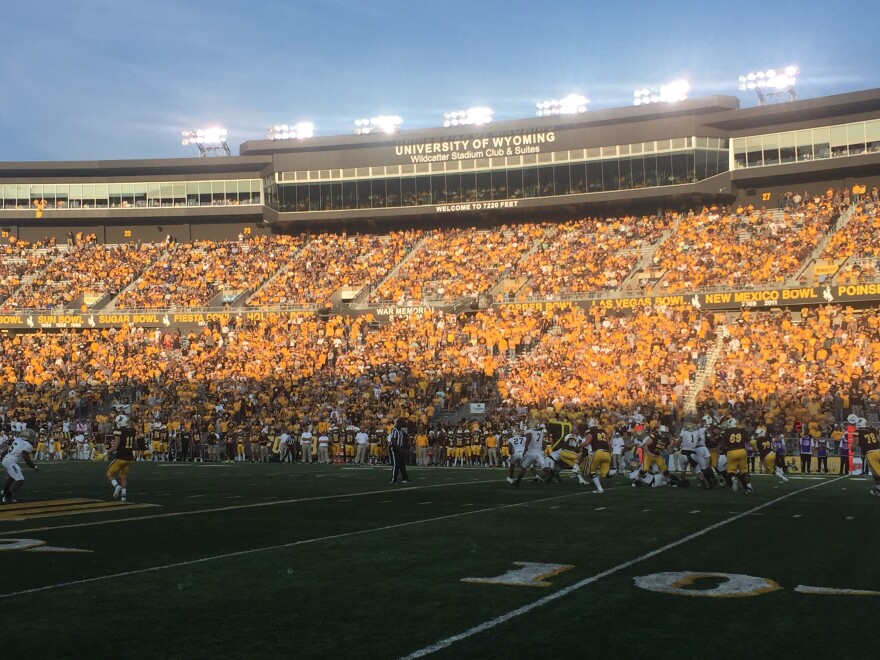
column 660, row 266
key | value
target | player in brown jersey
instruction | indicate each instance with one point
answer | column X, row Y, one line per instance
column 869, row 443
column 733, row 444
column 767, row 453
column 122, row 450
column 713, row 443
column 595, row 457
column 653, row 448
column 449, row 443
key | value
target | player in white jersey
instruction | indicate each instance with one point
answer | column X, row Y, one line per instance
column 20, row 450
column 687, row 443
column 618, row 444
column 533, row 452
column 517, row 444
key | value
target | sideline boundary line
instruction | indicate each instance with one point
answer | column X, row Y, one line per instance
column 492, row 623
column 292, row 544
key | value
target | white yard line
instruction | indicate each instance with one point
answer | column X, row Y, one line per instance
column 497, row 621
column 292, row 544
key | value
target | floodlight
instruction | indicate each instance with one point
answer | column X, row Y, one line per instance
column 381, row 124
column 300, row 131
column 672, row 92
column 469, row 117
column 570, row 105
column 772, row 84
column 208, row 140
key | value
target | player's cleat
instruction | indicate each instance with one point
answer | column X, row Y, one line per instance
column 124, row 498
column 509, row 480
column 874, row 491
column 117, row 492
column 582, row 481
column 749, row 489
column 407, row 481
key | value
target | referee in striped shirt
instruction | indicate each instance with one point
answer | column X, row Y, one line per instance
column 398, row 448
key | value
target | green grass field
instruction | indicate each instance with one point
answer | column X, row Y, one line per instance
column 268, row 561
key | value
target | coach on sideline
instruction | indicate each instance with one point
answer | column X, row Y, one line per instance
column 398, row 449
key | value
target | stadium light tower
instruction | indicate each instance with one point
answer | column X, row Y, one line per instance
column 381, row 124
column 208, row 140
column 469, row 117
column 772, row 84
column 300, row 131
column 573, row 104
column 677, row 90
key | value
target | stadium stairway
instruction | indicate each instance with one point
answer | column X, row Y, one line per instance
column 28, row 280
column 362, row 299
column 690, row 401
column 111, row 306
column 647, row 257
column 510, row 288
column 807, row 273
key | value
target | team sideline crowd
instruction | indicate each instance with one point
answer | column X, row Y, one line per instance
column 709, row 452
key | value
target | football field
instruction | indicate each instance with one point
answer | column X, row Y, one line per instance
column 330, row 561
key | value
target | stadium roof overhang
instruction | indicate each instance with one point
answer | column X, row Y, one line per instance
column 825, row 110
column 858, row 167
column 118, row 170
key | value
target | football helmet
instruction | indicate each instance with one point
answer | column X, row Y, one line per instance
column 852, row 419
column 861, row 423
column 732, row 423
column 662, row 429
column 27, row 434
column 760, row 432
column 121, row 421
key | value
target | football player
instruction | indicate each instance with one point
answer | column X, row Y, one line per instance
column 733, row 443
column 516, row 444
column 20, row 450
column 595, row 457
column 767, row 454
column 533, row 452
column 712, row 442
column 870, row 446
column 653, row 447
column 693, row 457
column 122, row 452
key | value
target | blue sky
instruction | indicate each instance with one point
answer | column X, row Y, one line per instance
column 112, row 79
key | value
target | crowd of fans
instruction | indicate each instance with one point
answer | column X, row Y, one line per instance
column 858, row 243
column 590, row 255
column 290, row 371
column 794, row 369
column 331, row 261
column 192, row 274
column 744, row 248
column 715, row 247
column 455, row 263
column 85, row 267
column 19, row 261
